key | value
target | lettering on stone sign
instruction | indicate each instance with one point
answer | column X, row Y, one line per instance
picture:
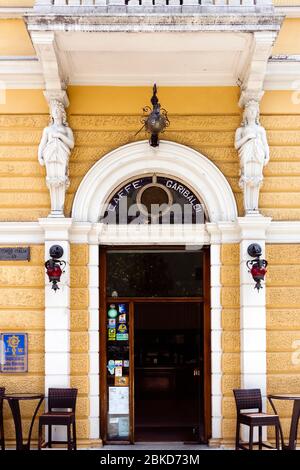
column 15, row 254
column 13, row 352
column 172, row 185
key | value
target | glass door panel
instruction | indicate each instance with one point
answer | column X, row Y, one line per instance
column 118, row 371
column 154, row 274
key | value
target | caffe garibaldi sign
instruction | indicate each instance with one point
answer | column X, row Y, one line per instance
column 171, row 185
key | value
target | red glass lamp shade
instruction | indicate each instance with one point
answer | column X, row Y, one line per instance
column 258, row 273
column 258, row 270
column 54, row 272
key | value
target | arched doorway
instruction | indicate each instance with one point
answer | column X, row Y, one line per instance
column 129, row 314
column 171, row 159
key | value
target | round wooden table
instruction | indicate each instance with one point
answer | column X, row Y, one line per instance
column 295, row 397
column 14, row 403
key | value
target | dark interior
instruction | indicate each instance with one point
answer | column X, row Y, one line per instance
column 155, row 273
column 168, row 345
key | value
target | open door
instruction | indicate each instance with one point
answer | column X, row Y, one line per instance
column 154, row 345
column 169, row 373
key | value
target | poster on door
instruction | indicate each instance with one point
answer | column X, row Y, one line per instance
column 118, row 400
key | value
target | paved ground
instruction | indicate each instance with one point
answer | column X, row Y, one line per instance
column 153, row 446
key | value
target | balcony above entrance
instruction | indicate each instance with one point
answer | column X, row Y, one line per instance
column 224, row 41
column 184, row 15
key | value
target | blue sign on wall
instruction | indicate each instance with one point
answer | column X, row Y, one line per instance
column 13, row 352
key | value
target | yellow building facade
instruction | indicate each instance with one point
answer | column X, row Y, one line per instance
column 101, row 67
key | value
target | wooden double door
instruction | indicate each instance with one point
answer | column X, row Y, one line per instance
column 155, row 377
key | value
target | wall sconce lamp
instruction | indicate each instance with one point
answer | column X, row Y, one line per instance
column 53, row 265
column 257, row 267
column 156, row 121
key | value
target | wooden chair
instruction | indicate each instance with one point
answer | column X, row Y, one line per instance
column 250, row 400
column 2, row 442
column 59, row 400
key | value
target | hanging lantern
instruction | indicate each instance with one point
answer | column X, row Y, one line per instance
column 257, row 267
column 54, row 266
column 156, row 121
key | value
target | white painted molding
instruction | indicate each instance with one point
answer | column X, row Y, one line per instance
column 14, row 12
column 253, row 227
column 21, row 232
column 84, row 232
column 139, row 158
column 21, row 73
column 283, row 73
column 283, row 232
column 56, row 228
column 288, row 11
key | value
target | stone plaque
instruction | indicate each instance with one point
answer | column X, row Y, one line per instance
column 15, row 254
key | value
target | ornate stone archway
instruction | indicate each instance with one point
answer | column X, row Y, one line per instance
column 170, row 158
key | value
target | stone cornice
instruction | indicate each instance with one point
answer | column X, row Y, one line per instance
column 288, row 11
column 128, row 19
column 10, row 12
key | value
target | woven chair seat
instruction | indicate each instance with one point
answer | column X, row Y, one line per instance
column 249, row 412
column 60, row 399
column 259, row 415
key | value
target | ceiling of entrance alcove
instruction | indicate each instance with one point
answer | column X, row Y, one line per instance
column 143, row 58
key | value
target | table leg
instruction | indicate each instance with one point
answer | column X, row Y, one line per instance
column 15, row 409
column 294, row 425
column 280, row 428
column 32, row 423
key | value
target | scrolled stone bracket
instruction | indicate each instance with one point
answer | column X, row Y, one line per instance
column 253, row 76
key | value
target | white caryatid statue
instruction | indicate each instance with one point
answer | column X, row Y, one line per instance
column 252, row 145
column 54, row 152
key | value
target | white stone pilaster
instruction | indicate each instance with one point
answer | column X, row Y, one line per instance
column 57, row 311
column 94, row 340
column 216, row 330
column 252, row 309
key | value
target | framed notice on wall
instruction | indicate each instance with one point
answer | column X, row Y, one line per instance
column 13, row 353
